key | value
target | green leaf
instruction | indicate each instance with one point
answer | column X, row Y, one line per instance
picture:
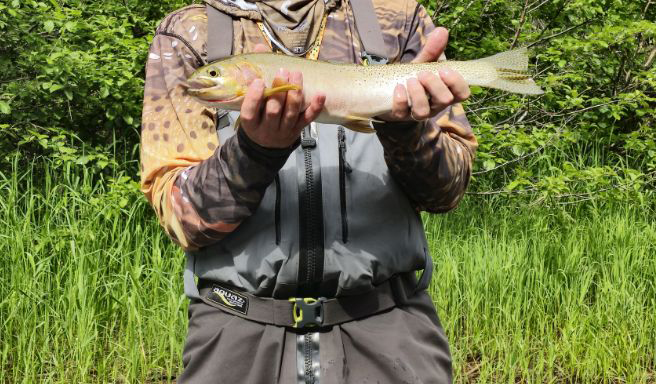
column 71, row 26
column 82, row 160
column 475, row 90
column 517, row 150
column 49, row 26
column 102, row 164
column 5, row 108
column 512, row 186
column 56, row 5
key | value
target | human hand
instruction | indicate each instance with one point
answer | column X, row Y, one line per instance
column 277, row 122
column 428, row 94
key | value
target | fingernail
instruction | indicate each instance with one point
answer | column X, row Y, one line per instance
column 399, row 92
column 445, row 72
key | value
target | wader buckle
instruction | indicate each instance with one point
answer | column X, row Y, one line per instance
column 371, row 59
column 307, row 311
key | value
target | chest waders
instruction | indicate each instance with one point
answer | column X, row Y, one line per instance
column 307, row 311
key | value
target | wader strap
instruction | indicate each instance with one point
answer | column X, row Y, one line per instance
column 426, row 275
column 190, row 288
column 306, row 313
column 374, row 49
column 219, row 34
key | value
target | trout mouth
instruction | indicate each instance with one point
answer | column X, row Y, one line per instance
column 210, row 90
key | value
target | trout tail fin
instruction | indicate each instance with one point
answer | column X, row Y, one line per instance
column 512, row 72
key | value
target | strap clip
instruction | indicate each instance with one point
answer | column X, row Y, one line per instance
column 307, row 311
column 371, row 59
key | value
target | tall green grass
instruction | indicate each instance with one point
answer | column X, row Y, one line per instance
column 548, row 295
column 91, row 290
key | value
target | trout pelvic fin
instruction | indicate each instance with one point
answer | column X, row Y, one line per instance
column 360, row 124
column 512, row 72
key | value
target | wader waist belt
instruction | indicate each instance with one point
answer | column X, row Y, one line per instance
column 303, row 313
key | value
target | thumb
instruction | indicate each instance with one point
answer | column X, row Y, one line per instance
column 434, row 47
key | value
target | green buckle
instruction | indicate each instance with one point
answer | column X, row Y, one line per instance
column 307, row 311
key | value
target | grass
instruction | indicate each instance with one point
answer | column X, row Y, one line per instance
column 91, row 290
column 538, row 295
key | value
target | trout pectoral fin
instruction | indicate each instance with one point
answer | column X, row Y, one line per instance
column 281, row 88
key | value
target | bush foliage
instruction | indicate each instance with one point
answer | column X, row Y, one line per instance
column 92, row 292
column 72, row 78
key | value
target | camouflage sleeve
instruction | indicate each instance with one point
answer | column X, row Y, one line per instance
column 200, row 190
column 431, row 160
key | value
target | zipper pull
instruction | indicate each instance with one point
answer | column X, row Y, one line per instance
column 309, row 137
column 341, row 140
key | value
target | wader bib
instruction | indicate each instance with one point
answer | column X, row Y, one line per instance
column 334, row 242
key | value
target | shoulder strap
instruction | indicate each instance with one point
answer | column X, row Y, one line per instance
column 374, row 48
column 219, row 34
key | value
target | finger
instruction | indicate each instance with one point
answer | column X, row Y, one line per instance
column 440, row 95
column 434, row 47
column 400, row 106
column 276, row 102
column 250, row 108
column 294, row 102
column 418, row 99
column 261, row 48
column 312, row 111
column 456, row 83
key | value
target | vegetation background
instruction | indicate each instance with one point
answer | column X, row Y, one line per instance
column 546, row 273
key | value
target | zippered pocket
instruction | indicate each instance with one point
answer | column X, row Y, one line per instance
column 344, row 169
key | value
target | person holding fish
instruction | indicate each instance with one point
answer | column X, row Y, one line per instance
column 295, row 192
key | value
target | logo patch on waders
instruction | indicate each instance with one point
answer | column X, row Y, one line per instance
column 229, row 299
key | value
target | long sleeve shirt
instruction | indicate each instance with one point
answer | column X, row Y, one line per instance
column 202, row 190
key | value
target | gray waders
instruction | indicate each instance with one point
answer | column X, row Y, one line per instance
column 397, row 315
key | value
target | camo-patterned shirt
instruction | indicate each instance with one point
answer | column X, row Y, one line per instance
column 202, row 189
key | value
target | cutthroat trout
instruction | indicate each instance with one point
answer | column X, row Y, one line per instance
column 355, row 94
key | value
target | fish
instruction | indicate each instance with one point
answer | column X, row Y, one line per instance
column 355, row 94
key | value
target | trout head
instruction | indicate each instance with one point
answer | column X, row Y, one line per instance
column 222, row 84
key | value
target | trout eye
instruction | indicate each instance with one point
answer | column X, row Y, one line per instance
column 214, row 73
